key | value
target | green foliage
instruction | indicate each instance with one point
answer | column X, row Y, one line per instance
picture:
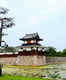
column 59, row 53
column 50, row 51
column 10, row 49
column 54, row 76
column 9, row 77
column 5, row 22
column 7, row 49
column 64, row 52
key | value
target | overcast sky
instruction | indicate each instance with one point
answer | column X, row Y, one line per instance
column 47, row 17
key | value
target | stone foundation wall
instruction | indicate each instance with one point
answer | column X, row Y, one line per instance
column 24, row 60
column 55, row 59
column 31, row 60
column 8, row 60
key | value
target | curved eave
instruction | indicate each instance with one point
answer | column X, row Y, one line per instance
column 30, row 39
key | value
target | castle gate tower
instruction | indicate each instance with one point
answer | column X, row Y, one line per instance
column 31, row 52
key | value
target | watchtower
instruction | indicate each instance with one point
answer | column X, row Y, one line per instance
column 32, row 48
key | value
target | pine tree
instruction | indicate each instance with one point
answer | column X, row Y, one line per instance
column 5, row 22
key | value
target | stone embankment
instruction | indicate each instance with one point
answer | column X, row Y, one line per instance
column 16, row 59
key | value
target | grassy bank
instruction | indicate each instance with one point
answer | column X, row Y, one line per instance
column 17, row 72
column 8, row 77
column 30, row 71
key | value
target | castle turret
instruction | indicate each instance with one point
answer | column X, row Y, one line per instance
column 31, row 45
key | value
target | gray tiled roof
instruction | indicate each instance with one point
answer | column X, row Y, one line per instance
column 35, row 35
column 31, row 36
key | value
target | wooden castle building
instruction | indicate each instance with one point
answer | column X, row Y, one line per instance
column 31, row 45
column 31, row 50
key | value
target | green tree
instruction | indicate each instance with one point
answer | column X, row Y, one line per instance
column 59, row 53
column 64, row 52
column 5, row 22
column 8, row 49
column 50, row 51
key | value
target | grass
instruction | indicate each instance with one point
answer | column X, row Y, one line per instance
column 30, row 71
column 9, row 77
column 24, row 70
column 18, row 72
